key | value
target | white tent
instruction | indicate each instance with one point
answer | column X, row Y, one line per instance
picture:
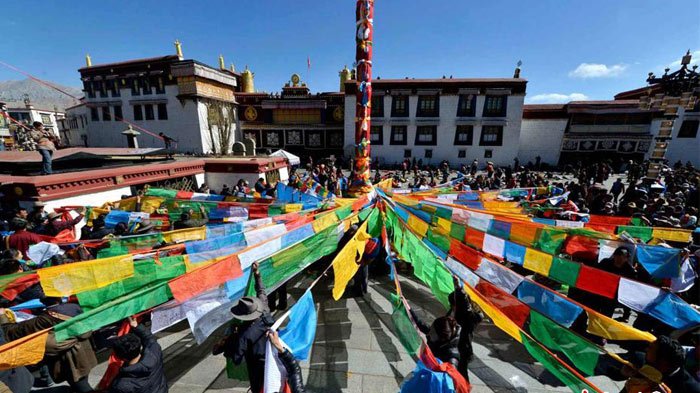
column 293, row 160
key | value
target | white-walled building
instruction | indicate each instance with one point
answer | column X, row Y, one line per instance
column 458, row 120
column 29, row 114
column 73, row 128
column 162, row 94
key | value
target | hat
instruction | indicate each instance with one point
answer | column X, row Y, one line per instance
column 65, row 311
column 53, row 216
column 39, row 204
column 248, row 308
column 632, row 205
column 145, row 225
column 621, row 251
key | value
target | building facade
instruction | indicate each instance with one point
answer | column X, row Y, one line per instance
column 29, row 114
column 189, row 101
column 457, row 120
column 73, row 128
column 295, row 120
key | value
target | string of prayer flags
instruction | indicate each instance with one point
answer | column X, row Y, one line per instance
column 25, row 351
column 66, row 280
column 346, row 262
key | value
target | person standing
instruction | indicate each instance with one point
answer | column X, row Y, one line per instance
column 617, row 188
column 45, row 145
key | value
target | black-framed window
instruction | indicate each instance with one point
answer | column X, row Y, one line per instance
column 491, row 136
column 314, row 139
column 399, row 135
column 114, row 87
column 689, row 129
column 428, row 106
column 160, row 85
column 495, row 106
column 335, row 138
column 467, row 105
column 118, row 116
column 146, row 85
column 407, row 153
column 135, row 87
column 377, row 106
column 376, row 135
column 89, row 90
column 162, row 111
column 399, row 106
column 106, row 114
column 488, row 153
column 461, row 154
column 272, row 138
column 426, row 135
column 100, row 86
column 148, row 112
column 138, row 113
column 294, row 137
column 464, row 135
column 428, row 153
column 94, row 114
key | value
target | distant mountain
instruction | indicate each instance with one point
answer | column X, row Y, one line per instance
column 43, row 97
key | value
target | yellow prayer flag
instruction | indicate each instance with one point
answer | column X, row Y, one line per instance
column 324, row 221
column 420, row 226
column 66, row 280
column 345, row 264
column 340, row 202
column 605, row 327
column 674, row 235
column 499, row 319
column 182, row 235
column 445, row 225
column 292, row 207
column 385, row 184
column 537, row 261
column 523, row 233
column 26, row 351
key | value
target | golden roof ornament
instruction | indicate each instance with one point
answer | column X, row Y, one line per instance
column 178, row 49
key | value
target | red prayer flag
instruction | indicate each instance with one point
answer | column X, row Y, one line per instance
column 582, row 248
column 257, row 211
column 184, row 195
column 474, row 238
column 19, row 285
column 511, row 306
column 209, row 277
column 598, row 281
column 468, row 256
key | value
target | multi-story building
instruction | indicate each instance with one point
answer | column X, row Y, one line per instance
column 617, row 130
column 186, row 100
column 73, row 129
column 295, row 120
column 29, row 114
column 457, row 120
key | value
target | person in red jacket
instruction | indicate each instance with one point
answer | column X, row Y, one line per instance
column 21, row 239
column 57, row 224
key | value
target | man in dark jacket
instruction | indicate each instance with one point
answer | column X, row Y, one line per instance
column 99, row 230
column 468, row 320
column 58, row 224
column 142, row 371
column 248, row 339
column 186, row 220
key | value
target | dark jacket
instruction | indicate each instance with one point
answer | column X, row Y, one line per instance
column 99, row 233
column 248, row 342
column 448, row 351
column 192, row 222
column 59, row 225
column 468, row 320
column 294, row 377
column 146, row 376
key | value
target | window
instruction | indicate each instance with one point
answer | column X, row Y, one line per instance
column 146, row 84
column 467, row 105
column 118, row 116
column 491, row 136
column 160, row 86
column 426, row 135
column 99, row 86
column 398, row 135
column 138, row 114
column 335, row 138
column 399, row 106
column 377, row 106
column 162, row 112
column 273, row 138
column 376, row 135
column 495, row 106
column 488, row 153
column 314, row 139
column 106, row 115
column 428, row 153
column 294, row 137
column 464, row 134
column 148, row 111
column 135, row 87
column 114, row 87
column 461, row 154
column 46, row 119
column 407, row 153
column 89, row 90
column 428, row 106
column 689, row 129
column 94, row 116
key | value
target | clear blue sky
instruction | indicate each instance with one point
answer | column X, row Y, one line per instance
column 576, row 49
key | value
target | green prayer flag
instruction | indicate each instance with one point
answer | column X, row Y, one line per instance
column 550, row 240
column 564, row 271
column 582, row 353
column 576, row 384
column 343, row 212
column 161, row 192
column 642, row 233
column 443, row 212
column 439, row 239
column 457, row 231
column 404, row 328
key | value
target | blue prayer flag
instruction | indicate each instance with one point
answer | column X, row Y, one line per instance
column 301, row 329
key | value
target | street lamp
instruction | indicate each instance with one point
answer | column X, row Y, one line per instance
column 672, row 91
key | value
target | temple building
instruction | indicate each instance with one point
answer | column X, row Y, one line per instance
column 431, row 120
column 189, row 101
column 295, row 119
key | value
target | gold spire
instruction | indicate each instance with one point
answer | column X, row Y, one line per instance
column 248, row 81
column 233, row 68
column 178, row 49
column 222, row 63
column 344, row 77
column 88, row 60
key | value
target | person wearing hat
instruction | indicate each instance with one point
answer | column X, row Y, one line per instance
column 45, row 145
column 142, row 371
column 99, row 230
column 57, row 224
column 70, row 360
column 22, row 238
column 619, row 263
column 144, row 227
column 247, row 336
column 186, row 220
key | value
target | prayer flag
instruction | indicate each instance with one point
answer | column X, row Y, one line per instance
column 660, row 262
column 345, row 264
column 549, row 303
column 300, row 331
column 69, row 279
column 537, row 261
column 502, row 277
column 602, row 326
column 675, row 235
column 201, row 280
column 494, row 245
column 564, row 271
column 505, row 302
column 25, row 351
column 597, row 281
column 404, row 328
column 515, row 253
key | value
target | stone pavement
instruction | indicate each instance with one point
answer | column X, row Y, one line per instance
column 356, row 351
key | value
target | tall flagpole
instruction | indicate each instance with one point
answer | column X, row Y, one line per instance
column 364, row 31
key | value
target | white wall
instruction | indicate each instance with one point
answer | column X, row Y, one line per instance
column 91, row 199
column 541, row 137
column 683, row 149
